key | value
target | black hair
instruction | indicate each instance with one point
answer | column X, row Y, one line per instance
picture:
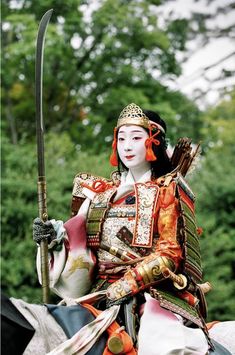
column 162, row 165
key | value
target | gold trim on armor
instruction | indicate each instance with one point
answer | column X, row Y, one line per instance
column 144, row 275
column 146, row 201
column 151, row 268
column 96, row 217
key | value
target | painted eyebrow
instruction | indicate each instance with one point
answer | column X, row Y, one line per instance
column 134, row 131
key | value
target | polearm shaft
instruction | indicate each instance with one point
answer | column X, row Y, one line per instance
column 42, row 205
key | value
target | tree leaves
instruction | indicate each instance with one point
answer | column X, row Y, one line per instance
column 90, row 54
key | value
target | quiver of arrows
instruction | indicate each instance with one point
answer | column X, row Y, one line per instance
column 183, row 156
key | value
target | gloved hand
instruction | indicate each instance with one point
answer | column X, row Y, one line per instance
column 43, row 230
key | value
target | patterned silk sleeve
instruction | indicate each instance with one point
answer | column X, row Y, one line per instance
column 167, row 215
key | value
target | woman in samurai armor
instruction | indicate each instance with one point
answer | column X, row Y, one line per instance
column 135, row 236
column 130, row 253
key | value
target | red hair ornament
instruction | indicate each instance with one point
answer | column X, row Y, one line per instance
column 113, row 158
column 150, row 156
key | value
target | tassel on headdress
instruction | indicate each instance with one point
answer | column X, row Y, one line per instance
column 150, row 156
column 113, row 158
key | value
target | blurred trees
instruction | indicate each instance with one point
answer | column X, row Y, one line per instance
column 19, row 203
column 214, row 184
column 211, row 30
column 97, row 60
column 100, row 56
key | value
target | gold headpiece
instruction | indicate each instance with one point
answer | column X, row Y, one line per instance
column 133, row 115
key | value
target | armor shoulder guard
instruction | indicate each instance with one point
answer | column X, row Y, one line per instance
column 180, row 183
column 85, row 180
column 183, row 187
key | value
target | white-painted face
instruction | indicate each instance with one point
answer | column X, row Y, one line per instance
column 131, row 146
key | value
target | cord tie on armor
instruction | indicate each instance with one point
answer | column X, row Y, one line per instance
column 97, row 186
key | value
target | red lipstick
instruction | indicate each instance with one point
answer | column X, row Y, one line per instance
column 129, row 157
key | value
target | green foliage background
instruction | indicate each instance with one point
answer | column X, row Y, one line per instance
column 120, row 51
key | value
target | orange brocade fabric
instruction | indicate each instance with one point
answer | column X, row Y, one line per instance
column 115, row 330
column 167, row 216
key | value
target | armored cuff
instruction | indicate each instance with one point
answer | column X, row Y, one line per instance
column 125, row 286
column 150, row 269
column 143, row 275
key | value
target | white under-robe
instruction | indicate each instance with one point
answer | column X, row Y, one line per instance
column 163, row 333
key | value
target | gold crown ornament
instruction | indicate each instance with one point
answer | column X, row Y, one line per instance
column 133, row 115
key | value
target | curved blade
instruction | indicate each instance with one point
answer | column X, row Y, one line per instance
column 42, row 205
column 38, row 88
